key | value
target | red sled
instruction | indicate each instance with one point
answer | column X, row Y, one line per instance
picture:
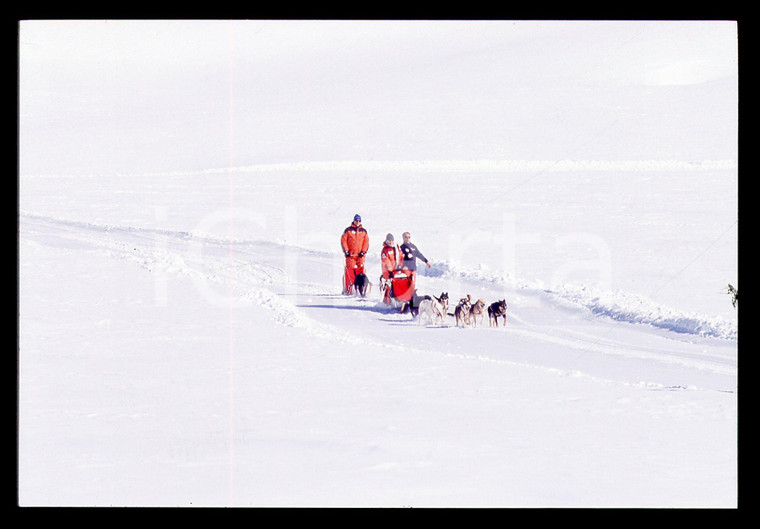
column 403, row 285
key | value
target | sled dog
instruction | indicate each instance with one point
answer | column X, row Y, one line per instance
column 462, row 312
column 496, row 309
column 444, row 301
column 477, row 309
column 361, row 284
column 433, row 308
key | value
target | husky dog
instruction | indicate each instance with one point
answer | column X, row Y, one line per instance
column 496, row 309
column 462, row 312
column 477, row 309
column 433, row 308
column 361, row 284
column 444, row 301
column 462, row 301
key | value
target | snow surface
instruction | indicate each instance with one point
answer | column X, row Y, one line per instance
column 182, row 337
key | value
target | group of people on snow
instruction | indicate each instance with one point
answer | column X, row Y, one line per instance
column 393, row 257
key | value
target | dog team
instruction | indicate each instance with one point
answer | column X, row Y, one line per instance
column 355, row 242
column 466, row 313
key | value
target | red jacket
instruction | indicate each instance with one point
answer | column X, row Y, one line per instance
column 354, row 240
column 390, row 256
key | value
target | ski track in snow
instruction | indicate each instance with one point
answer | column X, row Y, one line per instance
column 258, row 283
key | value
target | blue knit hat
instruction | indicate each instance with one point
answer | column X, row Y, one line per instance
column 357, row 217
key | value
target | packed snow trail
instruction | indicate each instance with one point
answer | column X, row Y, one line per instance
column 300, row 288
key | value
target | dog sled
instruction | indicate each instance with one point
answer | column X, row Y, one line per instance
column 399, row 287
column 400, row 290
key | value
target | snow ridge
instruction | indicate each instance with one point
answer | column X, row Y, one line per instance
column 631, row 308
column 618, row 305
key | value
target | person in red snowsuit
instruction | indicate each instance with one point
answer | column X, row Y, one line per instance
column 390, row 258
column 355, row 242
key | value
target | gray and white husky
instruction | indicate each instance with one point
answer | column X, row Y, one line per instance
column 433, row 309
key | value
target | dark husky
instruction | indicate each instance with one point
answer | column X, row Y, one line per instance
column 361, row 283
column 496, row 309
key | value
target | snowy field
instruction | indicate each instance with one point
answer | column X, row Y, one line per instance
column 182, row 190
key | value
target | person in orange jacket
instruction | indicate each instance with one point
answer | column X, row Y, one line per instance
column 390, row 259
column 355, row 242
column 390, row 256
